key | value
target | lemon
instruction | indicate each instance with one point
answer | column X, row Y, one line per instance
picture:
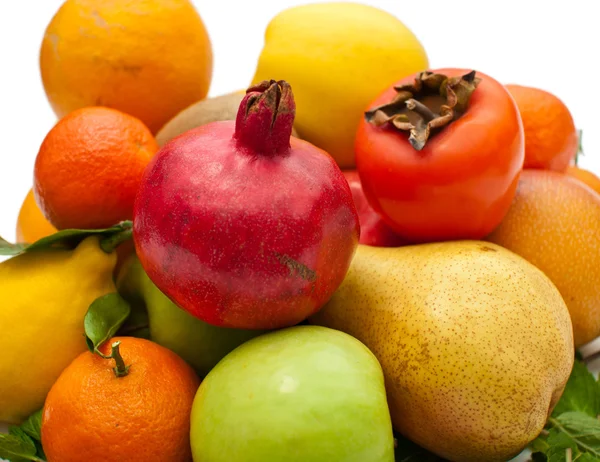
column 337, row 57
column 45, row 295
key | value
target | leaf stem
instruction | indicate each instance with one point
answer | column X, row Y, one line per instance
column 569, row 455
column 579, row 147
column 102, row 355
column 579, row 443
column 110, row 243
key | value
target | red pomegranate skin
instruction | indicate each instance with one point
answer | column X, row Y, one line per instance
column 373, row 230
column 242, row 225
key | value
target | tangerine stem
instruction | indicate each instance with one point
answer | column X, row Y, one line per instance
column 121, row 370
column 102, row 355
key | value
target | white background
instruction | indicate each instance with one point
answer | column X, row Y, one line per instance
column 549, row 44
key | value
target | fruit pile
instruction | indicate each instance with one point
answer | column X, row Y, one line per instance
column 358, row 258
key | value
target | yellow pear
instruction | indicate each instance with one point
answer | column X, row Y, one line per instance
column 476, row 343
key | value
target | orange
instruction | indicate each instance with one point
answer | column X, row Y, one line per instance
column 585, row 176
column 554, row 223
column 149, row 58
column 31, row 223
column 89, row 168
column 92, row 415
column 551, row 138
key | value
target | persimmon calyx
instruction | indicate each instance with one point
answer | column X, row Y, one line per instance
column 431, row 102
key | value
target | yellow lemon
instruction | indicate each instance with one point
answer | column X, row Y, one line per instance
column 337, row 57
column 45, row 295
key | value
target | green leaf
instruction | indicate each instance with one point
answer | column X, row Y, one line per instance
column 19, row 433
column 574, row 430
column 68, row 238
column 586, row 458
column 582, row 393
column 540, row 444
column 103, row 319
column 574, row 423
column 407, row 451
column 558, row 443
column 7, row 248
column 581, row 428
column 31, row 429
column 33, row 426
column 17, row 446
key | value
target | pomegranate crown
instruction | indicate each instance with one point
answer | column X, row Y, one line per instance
column 265, row 118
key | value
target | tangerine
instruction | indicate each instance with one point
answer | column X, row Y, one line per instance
column 136, row 408
column 585, row 176
column 31, row 223
column 551, row 138
column 89, row 168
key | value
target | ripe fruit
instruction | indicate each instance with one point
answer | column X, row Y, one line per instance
column 150, row 58
column 89, row 168
column 554, row 223
column 32, row 224
column 202, row 345
column 456, row 175
column 300, row 394
column 243, row 226
column 45, row 295
column 475, row 343
column 100, row 414
column 550, row 134
column 373, row 230
column 585, row 176
column 337, row 57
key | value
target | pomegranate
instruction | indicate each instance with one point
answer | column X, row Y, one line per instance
column 243, row 225
column 373, row 230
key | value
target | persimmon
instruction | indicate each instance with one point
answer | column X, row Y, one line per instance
column 439, row 155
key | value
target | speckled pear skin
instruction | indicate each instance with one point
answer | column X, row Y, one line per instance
column 476, row 343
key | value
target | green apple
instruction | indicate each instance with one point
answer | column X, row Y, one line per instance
column 202, row 345
column 301, row 394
